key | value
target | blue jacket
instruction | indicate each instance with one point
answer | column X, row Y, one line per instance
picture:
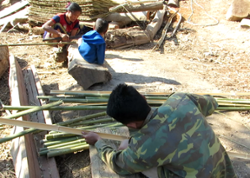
column 92, row 48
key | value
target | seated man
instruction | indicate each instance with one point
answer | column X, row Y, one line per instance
column 64, row 25
column 173, row 140
column 92, row 47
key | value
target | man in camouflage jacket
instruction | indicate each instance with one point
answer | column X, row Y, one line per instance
column 175, row 138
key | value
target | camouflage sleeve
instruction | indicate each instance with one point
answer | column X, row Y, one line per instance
column 205, row 103
column 123, row 162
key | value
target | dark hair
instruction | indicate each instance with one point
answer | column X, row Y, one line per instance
column 126, row 105
column 101, row 25
column 73, row 7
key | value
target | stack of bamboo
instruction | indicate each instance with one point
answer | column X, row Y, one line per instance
column 56, row 143
column 43, row 10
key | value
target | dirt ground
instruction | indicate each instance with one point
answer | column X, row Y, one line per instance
column 197, row 59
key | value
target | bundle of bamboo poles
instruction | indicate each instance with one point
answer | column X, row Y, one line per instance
column 57, row 143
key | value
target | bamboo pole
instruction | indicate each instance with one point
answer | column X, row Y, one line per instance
column 32, row 130
column 33, row 109
column 62, row 108
column 67, row 92
column 41, row 126
column 33, row 44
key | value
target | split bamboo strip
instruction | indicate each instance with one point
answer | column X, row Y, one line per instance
column 32, row 130
column 58, row 128
column 92, row 122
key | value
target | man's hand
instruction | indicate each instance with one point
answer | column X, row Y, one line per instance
column 91, row 137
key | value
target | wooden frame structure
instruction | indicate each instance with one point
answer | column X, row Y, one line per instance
column 24, row 88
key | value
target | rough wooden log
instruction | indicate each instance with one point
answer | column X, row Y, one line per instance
column 238, row 10
column 156, row 23
column 84, row 73
column 123, row 19
column 98, row 167
column 137, row 8
column 134, row 36
column 4, row 59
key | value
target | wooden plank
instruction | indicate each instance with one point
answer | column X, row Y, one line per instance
column 15, row 7
column 98, row 168
column 48, row 166
column 21, row 148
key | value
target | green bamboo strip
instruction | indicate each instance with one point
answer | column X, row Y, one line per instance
column 50, row 143
column 58, row 152
column 92, row 122
column 233, row 108
column 44, row 152
column 232, row 105
column 71, row 121
column 72, row 100
column 61, row 145
column 234, row 102
column 33, row 109
column 108, row 125
column 58, row 135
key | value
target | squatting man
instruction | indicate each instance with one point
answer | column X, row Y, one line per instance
column 172, row 141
